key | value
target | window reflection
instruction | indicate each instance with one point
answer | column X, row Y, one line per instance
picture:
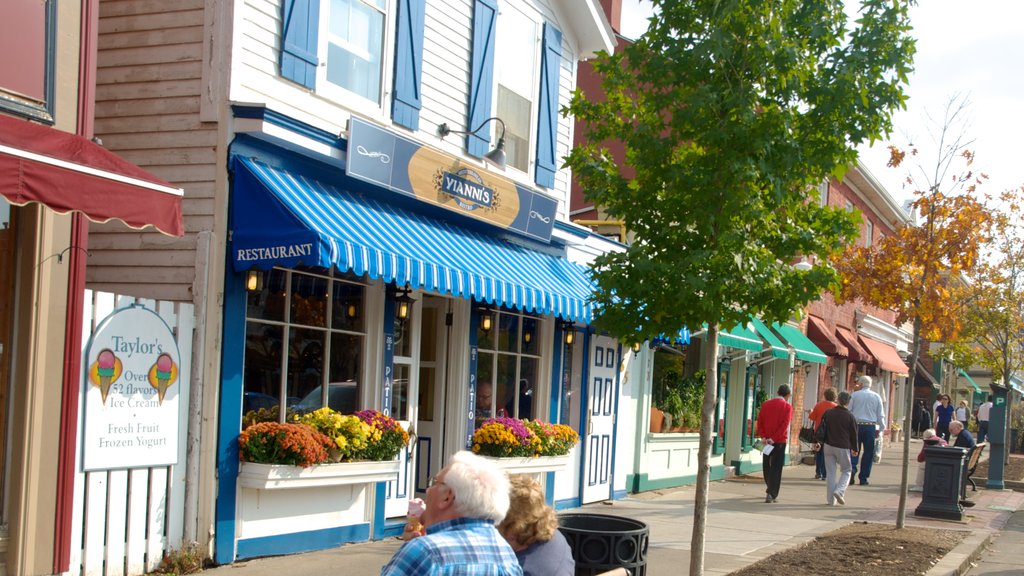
column 508, row 368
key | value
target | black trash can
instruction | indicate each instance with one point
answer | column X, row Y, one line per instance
column 944, row 476
column 601, row 542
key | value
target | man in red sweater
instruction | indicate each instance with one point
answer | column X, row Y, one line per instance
column 773, row 425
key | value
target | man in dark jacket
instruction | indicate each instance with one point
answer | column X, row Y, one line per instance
column 961, row 437
column 840, row 444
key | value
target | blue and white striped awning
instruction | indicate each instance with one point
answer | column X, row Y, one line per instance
column 284, row 219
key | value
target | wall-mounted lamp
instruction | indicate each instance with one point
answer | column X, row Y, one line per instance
column 403, row 304
column 352, row 311
column 807, row 368
column 254, row 281
column 568, row 331
column 495, row 156
column 527, row 336
column 486, row 318
column 636, row 348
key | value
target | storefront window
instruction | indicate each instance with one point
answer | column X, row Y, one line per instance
column 304, row 345
column 508, row 366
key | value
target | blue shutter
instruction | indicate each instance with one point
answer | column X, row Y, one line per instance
column 299, row 22
column 481, row 78
column 405, row 107
column 547, row 123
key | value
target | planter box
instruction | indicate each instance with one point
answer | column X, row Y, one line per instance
column 279, row 476
column 531, row 465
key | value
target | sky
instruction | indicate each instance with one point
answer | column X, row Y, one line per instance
column 972, row 48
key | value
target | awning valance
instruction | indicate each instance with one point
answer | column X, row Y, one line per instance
column 977, row 389
column 66, row 173
column 805, row 349
column 285, row 219
column 855, row 351
column 740, row 337
column 886, row 356
column 778, row 349
column 824, row 338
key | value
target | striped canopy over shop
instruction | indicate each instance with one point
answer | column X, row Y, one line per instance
column 285, row 219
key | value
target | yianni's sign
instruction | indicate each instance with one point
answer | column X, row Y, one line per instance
column 404, row 166
column 131, row 381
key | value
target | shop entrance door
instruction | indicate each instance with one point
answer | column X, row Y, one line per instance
column 430, row 422
column 600, row 420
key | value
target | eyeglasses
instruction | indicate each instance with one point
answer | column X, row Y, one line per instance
column 433, row 481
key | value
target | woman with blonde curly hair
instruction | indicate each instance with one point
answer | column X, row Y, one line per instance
column 531, row 528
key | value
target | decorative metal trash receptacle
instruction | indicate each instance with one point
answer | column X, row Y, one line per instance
column 943, row 483
column 601, row 542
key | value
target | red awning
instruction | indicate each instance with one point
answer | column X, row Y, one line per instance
column 69, row 173
column 886, row 355
column 823, row 338
column 857, row 353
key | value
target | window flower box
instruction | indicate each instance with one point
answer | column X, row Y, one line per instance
column 531, row 464
column 281, row 476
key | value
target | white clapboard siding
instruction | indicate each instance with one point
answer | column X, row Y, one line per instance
column 126, row 520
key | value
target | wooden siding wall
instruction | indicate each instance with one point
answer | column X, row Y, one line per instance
column 447, row 53
column 147, row 111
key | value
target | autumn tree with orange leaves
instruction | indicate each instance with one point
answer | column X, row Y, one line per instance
column 920, row 272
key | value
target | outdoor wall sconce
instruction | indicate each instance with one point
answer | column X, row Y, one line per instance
column 636, row 348
column 486, row 318
column 403, row 304
column 569, row 331
column 254, row 281
column 496, row 156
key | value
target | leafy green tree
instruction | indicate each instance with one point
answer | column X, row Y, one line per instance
column 920, row 271
column 730, row 112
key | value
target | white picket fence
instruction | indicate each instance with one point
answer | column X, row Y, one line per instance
column 124, row 520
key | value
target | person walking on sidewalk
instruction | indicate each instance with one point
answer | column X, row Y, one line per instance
column 983, row 415
column 773, row 425
column 815, row 416
column 866, row 406
column 944, row 413
column 840, row 448
column 463, row 503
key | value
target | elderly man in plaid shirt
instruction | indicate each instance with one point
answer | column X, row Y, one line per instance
column 464, row 503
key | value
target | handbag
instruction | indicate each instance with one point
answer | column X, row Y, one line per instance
column 821, row 433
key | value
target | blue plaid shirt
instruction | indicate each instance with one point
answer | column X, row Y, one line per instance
column 460, row 547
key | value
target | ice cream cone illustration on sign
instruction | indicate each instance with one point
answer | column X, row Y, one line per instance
column 105, row 371
column 163, row 373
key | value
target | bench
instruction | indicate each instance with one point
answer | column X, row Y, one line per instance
column 973, row 457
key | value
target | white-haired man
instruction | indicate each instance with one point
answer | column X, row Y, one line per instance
column 866, row 406
column 464, row 502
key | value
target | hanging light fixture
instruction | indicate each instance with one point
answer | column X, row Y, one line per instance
column 403, row 304
column 568, row 330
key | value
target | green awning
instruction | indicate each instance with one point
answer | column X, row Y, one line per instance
column 977, row 389
column 740, row 337
column 805, row 349
column 778, row 349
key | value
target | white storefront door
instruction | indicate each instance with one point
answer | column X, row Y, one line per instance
column 599, row 429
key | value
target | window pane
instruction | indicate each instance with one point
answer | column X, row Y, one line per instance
column 348, row 308
column 508, row 332
column 403, row 338
column 485, row 338
column 428, row 343
column 309, row 300
column 354, row 47
column 305, row 368
column 527, row 386
column 262, row 366
column 400, row 393
column 515, row 111
column 268, row 303
column 345, row 372
column 505, row 389
column 484, row 387
column 530, row 335
column 426, row 393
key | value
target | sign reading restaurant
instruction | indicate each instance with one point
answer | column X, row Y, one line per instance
column 131, row 381
column 402, row 165
column 274, row 252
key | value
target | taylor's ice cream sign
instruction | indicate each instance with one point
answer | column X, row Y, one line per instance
column 132, row 378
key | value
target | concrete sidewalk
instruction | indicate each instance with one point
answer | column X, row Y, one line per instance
column 741, row 527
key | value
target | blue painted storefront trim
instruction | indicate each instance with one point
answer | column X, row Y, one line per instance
column 640, row 482
column 567, row 503
column 303, row 541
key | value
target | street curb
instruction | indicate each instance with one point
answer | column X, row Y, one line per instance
column 959, row 559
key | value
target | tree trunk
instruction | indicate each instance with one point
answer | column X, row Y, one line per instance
column 915, row 349
column 707, row 425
